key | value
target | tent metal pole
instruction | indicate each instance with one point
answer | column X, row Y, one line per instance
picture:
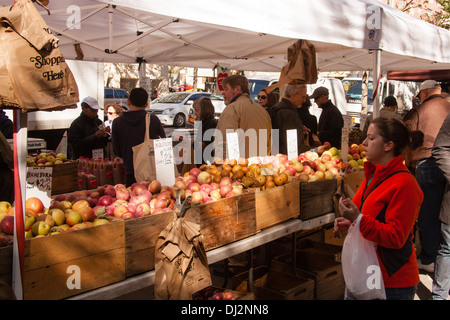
column 376, row 82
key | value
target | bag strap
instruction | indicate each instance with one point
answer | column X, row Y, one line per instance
column 363, row 199
column 147, row 126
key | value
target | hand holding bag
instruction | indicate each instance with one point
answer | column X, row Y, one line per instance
column 362, row 273
column 144, row 156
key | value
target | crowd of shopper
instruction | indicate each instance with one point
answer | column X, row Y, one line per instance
column 415, row 196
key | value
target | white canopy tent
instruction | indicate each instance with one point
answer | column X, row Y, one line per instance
column 251, row 35
column 247, row 35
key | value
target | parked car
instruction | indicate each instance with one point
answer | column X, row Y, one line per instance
column 173, row 109
column 116, row 95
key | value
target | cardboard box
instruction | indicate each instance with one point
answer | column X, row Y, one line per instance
column 277, row 204
column 316, row 198
column 354, row 180
column 323, row 249
column 225, row 220
column 274, row 285
column 326, row 273
column 91, row 257
column 64, row 178
column 141, row 235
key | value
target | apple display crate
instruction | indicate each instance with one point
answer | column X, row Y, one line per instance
column 327, row 273
column 274, row 285
column 316, row 198
column 141, row 235
column 277, row 204
column 64, row 178
column 67, row 264
column 225, row 220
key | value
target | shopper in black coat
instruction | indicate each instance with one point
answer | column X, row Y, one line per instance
column 330, row 121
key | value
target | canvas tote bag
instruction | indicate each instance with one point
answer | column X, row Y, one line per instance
column 144, row 156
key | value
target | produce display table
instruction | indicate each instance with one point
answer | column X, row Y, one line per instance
column 147, row 279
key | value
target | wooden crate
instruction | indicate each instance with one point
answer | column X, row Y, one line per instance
column 225, row 220
column 330, row 238
column 274, row 285
column 141, row 235
column 316, row 198
column 277, row 204
column 354, row 180
column 326, row 273
column 320, row 248
column 6, row 256
column 97, row 254
column 64, row 178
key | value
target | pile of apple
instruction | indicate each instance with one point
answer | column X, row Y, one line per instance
column 204, row 186
column 46, row 159
column 357, row 155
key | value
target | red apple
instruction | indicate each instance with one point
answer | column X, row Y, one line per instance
column 122, row 193
column 193, row 187
column 197, row 196
column 86, row 213
column 120, row 210
column 154, row 186
column 215, row 194
column 128, row 215
column 142, row 209
column 224, row 189
column 180, row 185
column 195, row 172
column 206, row 188
column 7, row 225
column 204, row 177
column 105, row 200
column 226, row 181
column 72, row 218
column 79, row 204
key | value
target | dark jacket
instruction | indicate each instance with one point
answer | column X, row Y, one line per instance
column 6, row 171
column 441, row 154
column 284, row 117
column 6, row 125
column 309, row 121
column 81, row 137
column 128, row 130
column 207, row 124
column 330, row 125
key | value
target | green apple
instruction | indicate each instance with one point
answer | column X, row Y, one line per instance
column 4, row 206
column 29, row 221
column 40, row 228
column 58, row 216
column 61, row 156
column 47, row 218
column 28, row 235
column 100, row 221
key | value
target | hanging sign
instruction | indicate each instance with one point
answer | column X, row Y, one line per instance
column 164, row 161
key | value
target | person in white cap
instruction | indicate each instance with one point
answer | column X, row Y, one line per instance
column 428, row 118
column 87, row 135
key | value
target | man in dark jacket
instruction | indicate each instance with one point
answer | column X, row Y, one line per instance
column 284, row 117
column 309, row 120
column 441, row 153
column 330, row 121
column 129, row 130
column 87, row 133
column 6, row 125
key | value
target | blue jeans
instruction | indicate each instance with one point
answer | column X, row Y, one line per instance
column 441, row 283
column 432, row 182
column 395, row 293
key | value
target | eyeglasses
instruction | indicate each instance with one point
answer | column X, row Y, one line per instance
column 262, row 97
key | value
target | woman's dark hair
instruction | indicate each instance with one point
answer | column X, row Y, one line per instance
column 206, row 107
column 272, row 98
column 393, row 130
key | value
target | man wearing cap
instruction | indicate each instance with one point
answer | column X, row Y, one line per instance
column 87, row 133
column 428, row 117
column 388, row 111
column 330, row 121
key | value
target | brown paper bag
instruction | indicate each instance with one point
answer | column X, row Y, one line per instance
column 33, row 71
column 181, row 265
column 301, row 67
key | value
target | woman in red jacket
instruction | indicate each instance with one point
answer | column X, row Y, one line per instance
column 389, row 200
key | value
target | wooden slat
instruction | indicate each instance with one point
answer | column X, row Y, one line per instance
column 277, row 204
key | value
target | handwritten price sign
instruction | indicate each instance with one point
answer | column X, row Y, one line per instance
column 39, row 183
